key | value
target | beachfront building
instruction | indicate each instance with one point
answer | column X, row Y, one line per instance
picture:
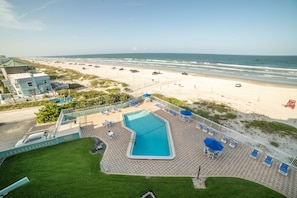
column 20, row 80
column 27, row 84
column 10, row 66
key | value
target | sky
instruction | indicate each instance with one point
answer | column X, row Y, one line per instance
column 70, row 27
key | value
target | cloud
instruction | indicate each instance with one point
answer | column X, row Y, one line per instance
column 47, row 4
column 8, row 19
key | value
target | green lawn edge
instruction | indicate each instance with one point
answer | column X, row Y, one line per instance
column 70, row 170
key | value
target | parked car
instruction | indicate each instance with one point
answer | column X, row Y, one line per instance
column 237, row 85
column 33, row 138
column 156, row 72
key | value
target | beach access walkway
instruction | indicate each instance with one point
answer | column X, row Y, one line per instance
column 188, row 142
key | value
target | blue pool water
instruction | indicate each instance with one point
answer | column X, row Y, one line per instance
column 152, row 136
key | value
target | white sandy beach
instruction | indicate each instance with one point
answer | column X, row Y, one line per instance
column 253, row 97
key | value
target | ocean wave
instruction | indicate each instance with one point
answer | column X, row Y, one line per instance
column 266, row 73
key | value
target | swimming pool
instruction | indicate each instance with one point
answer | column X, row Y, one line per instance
column 151, row 136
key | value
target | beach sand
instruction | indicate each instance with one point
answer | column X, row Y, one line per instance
column 254, row 99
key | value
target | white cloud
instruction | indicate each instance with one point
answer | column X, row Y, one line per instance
column 8, row 19
column 47, row 4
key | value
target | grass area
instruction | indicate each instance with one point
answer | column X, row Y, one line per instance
column 273, row 128
column 210, row 110
column 70, row 170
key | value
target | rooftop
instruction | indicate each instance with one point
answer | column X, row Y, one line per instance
column 26, row 75
column 12, row 63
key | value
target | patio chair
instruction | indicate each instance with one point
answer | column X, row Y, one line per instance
column 110, row 134
column 218, row 153
column 233, row 144
column 283, row 169
column 225, row 139
column 267, row 161
column 212, row 132
column 254, row 154
column 205, row 150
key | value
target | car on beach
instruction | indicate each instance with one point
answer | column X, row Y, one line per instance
column 184, row 73
column 237, row 85
column 33, row 138
column 156, row 72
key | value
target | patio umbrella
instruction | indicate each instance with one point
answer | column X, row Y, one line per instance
column 213, row 144
column 186, row 112
column 146, row 95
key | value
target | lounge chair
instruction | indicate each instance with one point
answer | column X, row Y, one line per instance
column 206, row 129
column 225, row 139
column 200, row 126
column 267, row 161
column 116, row 110
column 134, row 104
column 254, row 154
column 212, row 132
column 103, row 113
column 233, row 144
column 283, row 169
column 159, row 105
column 173, row 113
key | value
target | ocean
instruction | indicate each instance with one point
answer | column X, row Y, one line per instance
column 276, row 69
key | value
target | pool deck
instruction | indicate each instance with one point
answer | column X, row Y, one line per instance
column 188, row 142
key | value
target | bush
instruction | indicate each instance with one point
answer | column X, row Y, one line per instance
column 49, row 113
column 273, row 128
column 275, row 144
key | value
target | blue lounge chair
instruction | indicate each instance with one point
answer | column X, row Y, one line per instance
column 233, row 144
column 200, row 126
column 212, row 132
column 254, row 154
column 159, row 105
column 134, row 104
column 173, row 113
column 268, row 161
column 283, row 169
column 206, row 129
column 225, row 139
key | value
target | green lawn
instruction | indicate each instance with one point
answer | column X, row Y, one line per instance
column 70, row 170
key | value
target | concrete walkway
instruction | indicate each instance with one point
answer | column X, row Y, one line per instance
column 188, row 142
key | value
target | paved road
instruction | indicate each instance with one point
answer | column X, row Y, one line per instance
column 15, row 124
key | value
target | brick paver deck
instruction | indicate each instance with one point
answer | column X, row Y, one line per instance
column 188, row 142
